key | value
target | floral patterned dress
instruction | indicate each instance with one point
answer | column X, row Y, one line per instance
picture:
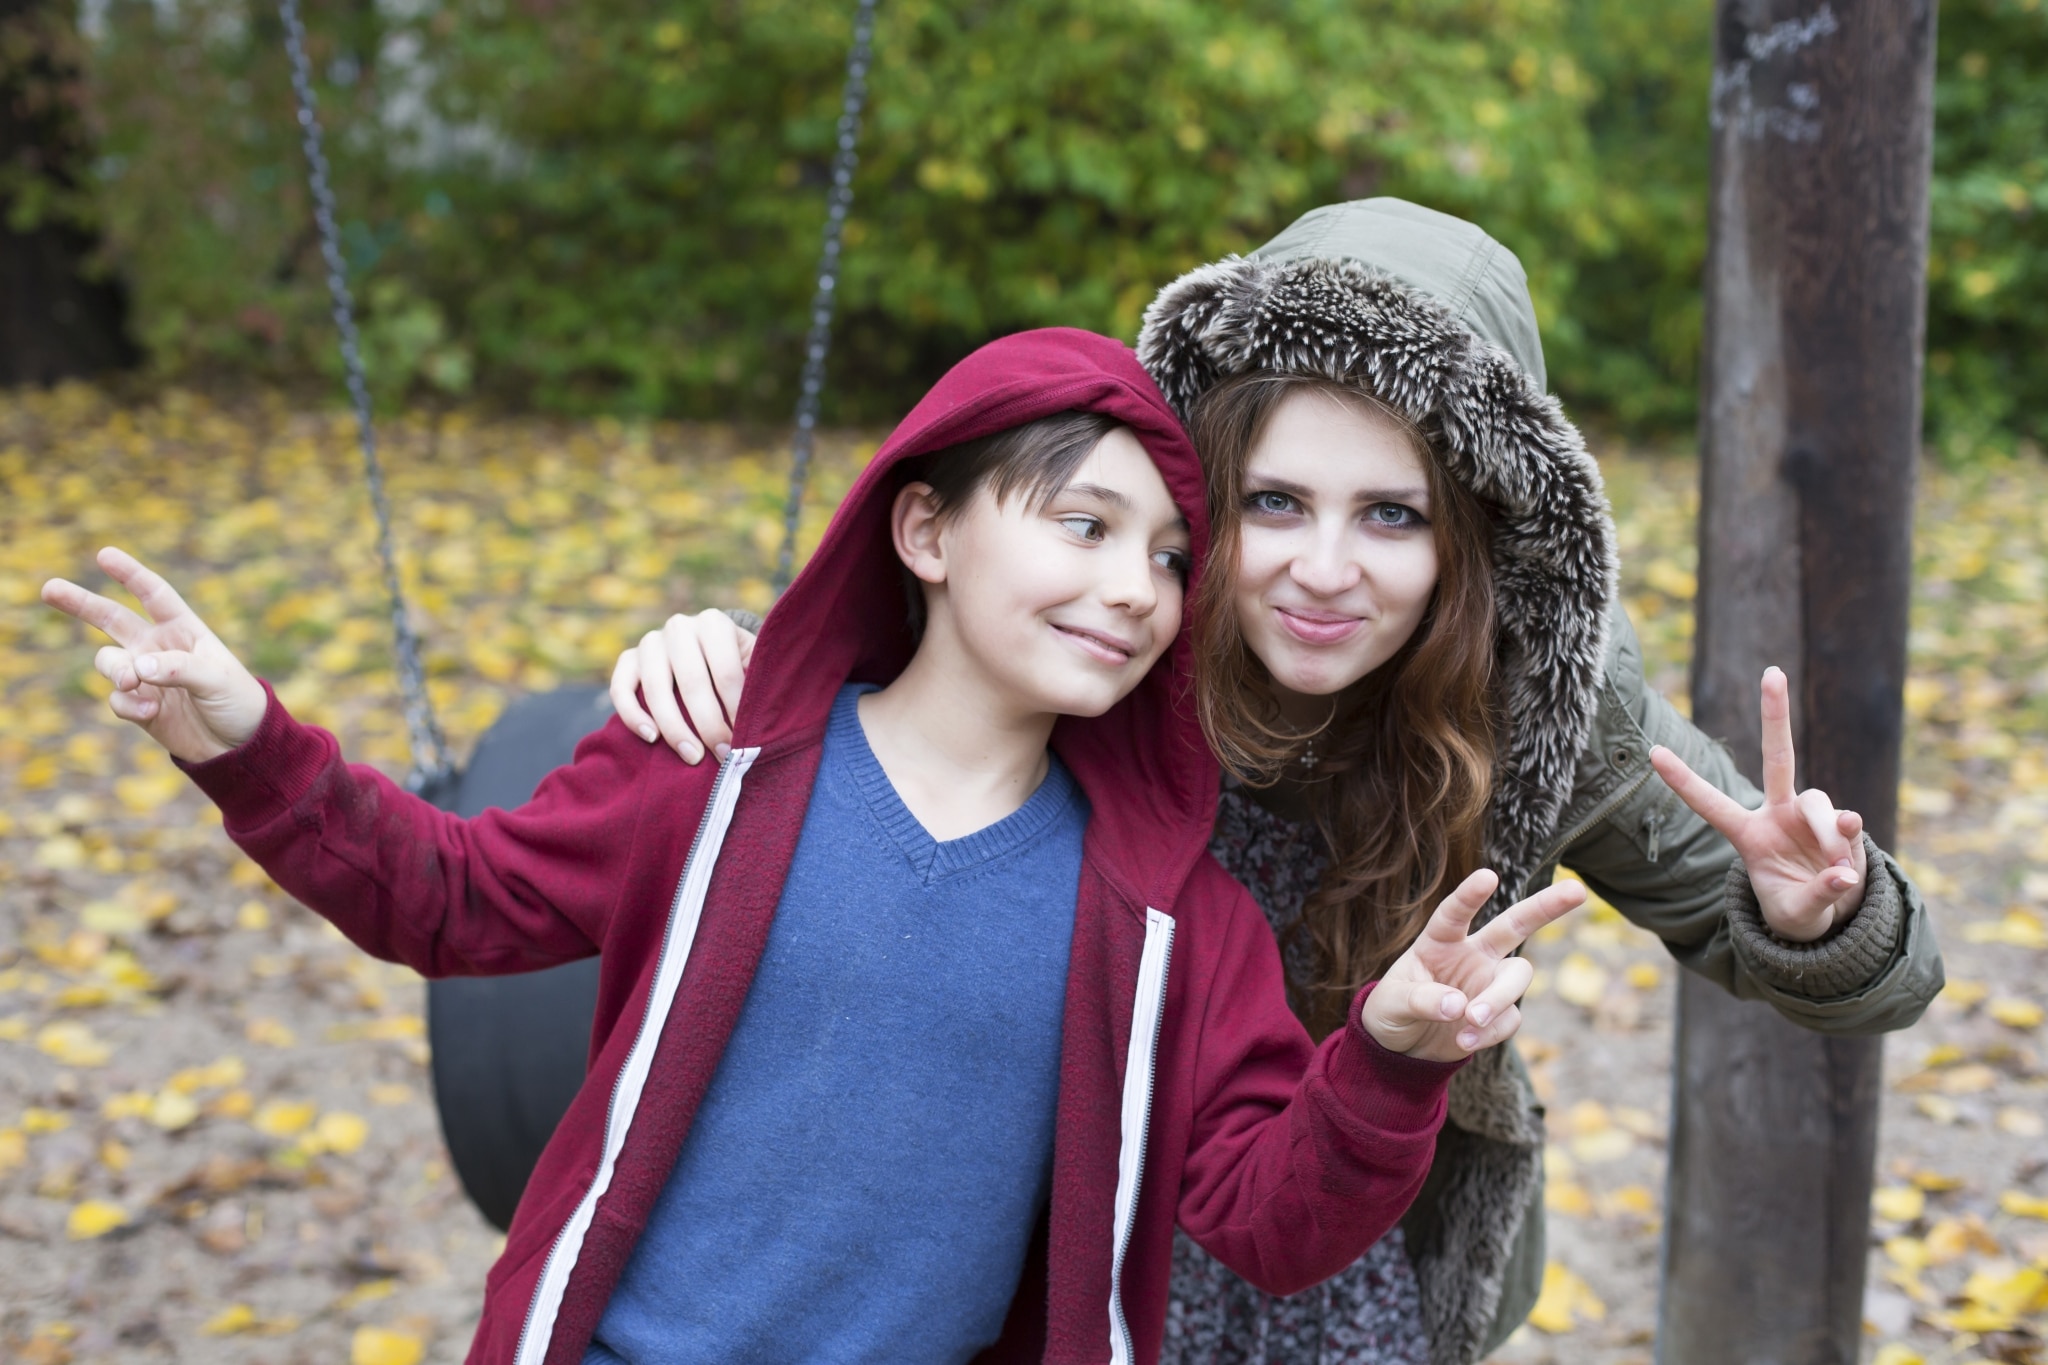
column 1370, row 1314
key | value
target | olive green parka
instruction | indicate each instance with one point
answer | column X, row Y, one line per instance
column 1436, row 317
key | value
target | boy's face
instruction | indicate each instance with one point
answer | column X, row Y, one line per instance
column 1062, row 608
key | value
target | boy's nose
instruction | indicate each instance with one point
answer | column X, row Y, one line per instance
column 1132, row 585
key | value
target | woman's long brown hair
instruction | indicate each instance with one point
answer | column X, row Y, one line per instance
column 1404, row 769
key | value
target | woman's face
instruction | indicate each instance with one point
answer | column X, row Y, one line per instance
column 1337, row 556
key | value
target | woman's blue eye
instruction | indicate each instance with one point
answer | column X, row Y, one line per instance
column 1394, row 515
column 1270, row 502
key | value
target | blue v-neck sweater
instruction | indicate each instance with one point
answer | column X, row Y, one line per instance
column 864, row 1175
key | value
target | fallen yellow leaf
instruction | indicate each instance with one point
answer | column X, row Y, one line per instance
column 172, row 1110
column 269, row 1032
column 1898, row 1203
column 1568, row 1198
column 1611, row 1144
column 1964, row 994
column 13, row 1149
column 34, row 1120
column 73, row 1044
column 252, row 915
column 145, row 793
column 2018, row 929
column 367, row 1292
column 390, row 1092
column 1636, row 1201
column 236, row 1317
column 114, row 1155
column 1950, row 1238
column 1935, row 1182
column 2019, row 1014
column 341, row 1132
column 235, row 1104
column 2020, row 1122
column 1939, row 1108
column 1644, row 976
column 379, row 1346
column 1897, row 1353
column 2023, row 1205
column 1581, row 981
column 283, row 1118
column 1565, row 1298
column 129, row 1104
column 94, row 1218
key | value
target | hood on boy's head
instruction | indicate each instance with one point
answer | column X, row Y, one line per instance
column 1435, row 317
column 844, row 618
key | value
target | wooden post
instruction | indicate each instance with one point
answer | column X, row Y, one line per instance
column 1810, row 426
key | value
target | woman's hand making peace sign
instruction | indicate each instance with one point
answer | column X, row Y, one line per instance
column 1805, row 858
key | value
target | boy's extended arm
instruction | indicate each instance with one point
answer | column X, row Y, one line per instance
column 507, row 891
column 1300, row 1156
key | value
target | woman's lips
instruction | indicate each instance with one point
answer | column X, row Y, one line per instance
column 1318, row 627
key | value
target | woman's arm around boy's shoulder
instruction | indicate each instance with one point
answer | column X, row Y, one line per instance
column 1299, row 1156
column 508, row 891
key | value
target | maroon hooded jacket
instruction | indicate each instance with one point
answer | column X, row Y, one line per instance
column 1188, row 1091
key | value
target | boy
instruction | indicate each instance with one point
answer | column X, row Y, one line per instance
column 888, row 1063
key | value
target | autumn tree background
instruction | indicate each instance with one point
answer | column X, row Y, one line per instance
column 611, row 207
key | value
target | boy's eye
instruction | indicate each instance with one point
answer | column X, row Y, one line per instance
column 1270, row 502
column 1087, row 528
column 1394, row 516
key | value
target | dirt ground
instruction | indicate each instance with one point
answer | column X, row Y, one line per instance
column 217, row 1137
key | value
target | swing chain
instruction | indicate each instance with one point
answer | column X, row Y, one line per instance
column 430, row 758
column 819, row 341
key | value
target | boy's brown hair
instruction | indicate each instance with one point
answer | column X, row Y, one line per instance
column 1035, row 460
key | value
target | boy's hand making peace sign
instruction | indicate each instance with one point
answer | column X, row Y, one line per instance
column 1805, row 858
column 1454, row 992
column 172, row 676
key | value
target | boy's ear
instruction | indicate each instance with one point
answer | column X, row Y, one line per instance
column 915, row 527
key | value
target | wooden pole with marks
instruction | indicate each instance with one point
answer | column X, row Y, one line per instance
column 1810, row 427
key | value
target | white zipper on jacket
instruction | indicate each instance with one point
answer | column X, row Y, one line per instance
column 1140, row 1064
column 684, row 912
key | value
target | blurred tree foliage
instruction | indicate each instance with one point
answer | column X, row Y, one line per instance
column 613, row 206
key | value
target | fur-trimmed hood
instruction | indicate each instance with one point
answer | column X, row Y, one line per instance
column 1435, row 316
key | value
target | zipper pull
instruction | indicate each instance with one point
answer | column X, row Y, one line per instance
column 1653, row 821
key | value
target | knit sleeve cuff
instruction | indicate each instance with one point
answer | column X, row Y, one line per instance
column 1840, row 963
column 267, row 772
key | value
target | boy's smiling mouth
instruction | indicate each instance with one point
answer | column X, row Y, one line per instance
column 1107, row 648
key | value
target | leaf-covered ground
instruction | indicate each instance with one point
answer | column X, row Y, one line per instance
column 217, row 1140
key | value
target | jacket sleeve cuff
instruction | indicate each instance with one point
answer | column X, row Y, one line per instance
column 1391, row 1090
column 267, row 772
column 1838, row 964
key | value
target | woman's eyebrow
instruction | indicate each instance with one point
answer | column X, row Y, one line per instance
column 1415, row 494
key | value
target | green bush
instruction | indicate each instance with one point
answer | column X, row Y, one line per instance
column 603, row 206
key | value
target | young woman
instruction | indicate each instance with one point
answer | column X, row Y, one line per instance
column 1418, row 667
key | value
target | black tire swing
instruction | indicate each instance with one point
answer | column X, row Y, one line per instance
column 509, row 1052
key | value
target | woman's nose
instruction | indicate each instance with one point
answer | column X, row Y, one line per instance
column 1325, row 567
